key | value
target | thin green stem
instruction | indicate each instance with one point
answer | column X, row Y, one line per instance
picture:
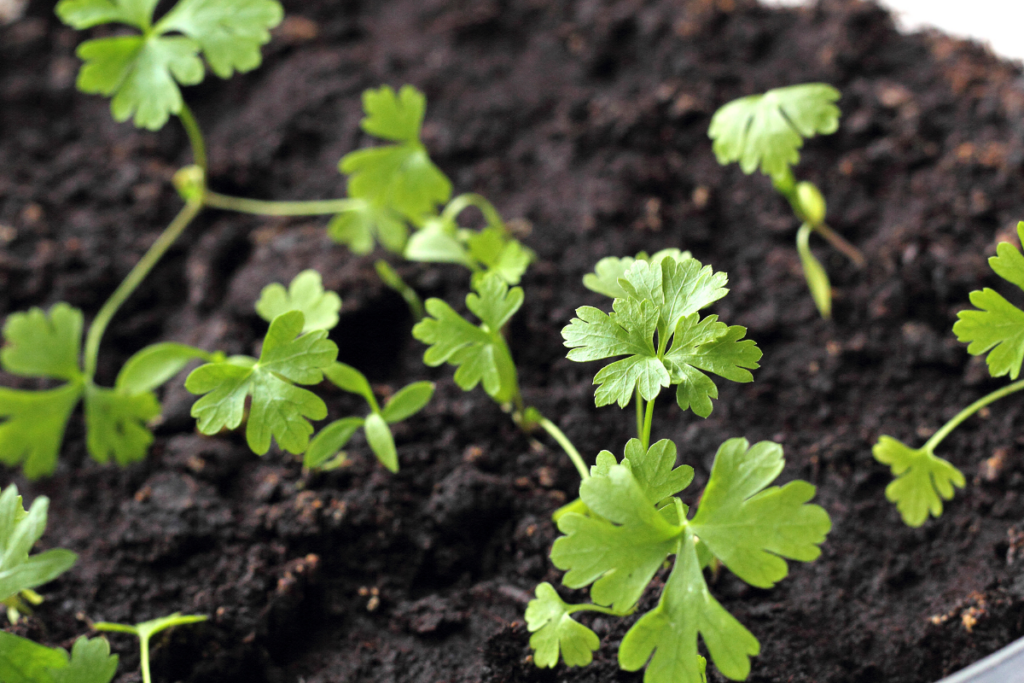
column 195, row 136
column 144, row 659
column 390, row 277
column 260, row 207
column 130, row 283
column 464, row 201
column 938, row 436
column 645, row 437
column 563, row 441
column 639, row 414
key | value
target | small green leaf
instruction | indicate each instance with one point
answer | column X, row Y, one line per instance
column 33, row 426
column 433, row 244
column 655, row 471
column 116, row 424
column 42, row 344
column 811, row 202
column 814, row 272
column 362, row 223
column 91, row 662
column 378, row 435
column 407, row 402
column 677, row 288
column 82, row 14
column 155, row 364
column 605, row 278
column 399, row 176
column 19, row 531
column 554, row 631
column 349, row 379
column 749, row 527
column 768, row 130
column 22, row 661
column 922, row 479
column 279, row 409
column 305, row 293
column 500, row 254
column 330, row 440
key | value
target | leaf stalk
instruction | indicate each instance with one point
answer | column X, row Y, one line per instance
column 957, row 419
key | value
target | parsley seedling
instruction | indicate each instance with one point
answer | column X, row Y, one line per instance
column 923, row 479
column 147, row 630
column 766, row 132
column 629, row 520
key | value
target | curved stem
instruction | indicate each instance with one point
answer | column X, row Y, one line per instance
column 195, row 136
column 840, row 244
column 563, row 441
column 260, row 207
column 645, row 437
column 938, row 436
column 464, row 201
column 132, row 281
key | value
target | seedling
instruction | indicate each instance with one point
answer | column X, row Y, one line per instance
column 325, row 450
column 147, row 630
column 923, row 479
column 766, row 131
column 631, row 520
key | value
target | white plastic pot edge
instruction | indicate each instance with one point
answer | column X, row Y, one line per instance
column 1004, row 666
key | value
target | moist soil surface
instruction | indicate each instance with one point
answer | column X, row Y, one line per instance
column 585, row 122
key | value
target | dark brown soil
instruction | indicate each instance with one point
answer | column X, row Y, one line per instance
column 588, row 119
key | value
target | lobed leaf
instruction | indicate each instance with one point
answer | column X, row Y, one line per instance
column 605, row 278
column 116, row 424
column 363, row 223
column 922, row 479
column 554, row 631
column 22, row 661
column 42, row 344
column 768, row 130
column 306, row 294
column 91, row 662
column 33, row 426
column 677, row 288
column 655, row 471
column 500, row 254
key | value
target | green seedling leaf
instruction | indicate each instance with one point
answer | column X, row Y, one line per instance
column 665, row 639
column 814, row 272
column 922, row 479
column 768, row 130
column 19, row 531
column 91, row 662
column 156, row 364
column 349, row 379
column 605, row 278
column 42, row 344
column 479, row 352
column 407, row 402
column 279, row 409
column 655, row 470
column 305, row 293
column 713, row 347
column 400, row 176
column 378, row 435
column 998, row 328
column 750, row 528
column 116, row 424
column 436, row 243
column 143, row 72
column 620, row 551
column 677, row 288
column 22, row 661
column 330, row 440
column 33, row 426
column 554, row 631
column 362, row 224
column 500, row 254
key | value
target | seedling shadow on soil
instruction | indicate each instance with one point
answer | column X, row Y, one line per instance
column 590, row 123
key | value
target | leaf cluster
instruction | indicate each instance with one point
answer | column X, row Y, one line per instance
column 46, row 345
column 636, row 523
column 142, row 72
column 657, row 326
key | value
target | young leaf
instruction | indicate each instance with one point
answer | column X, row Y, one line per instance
column 814, row 273
column 479, row 352
column 33, row 426
column 547, row 617
column 42, row 344
column 407, row 402
column 620, row 551
column 19, row 531
column 143, row 72
column 665, row 639
column 155, row 364
column 22, row 661
column 500, row 254
column 750, row 528
column 768, row 130
column 116, row 424
column 922, row 479
column 279, row 409
column 330, row 440
column 605, row 278
column 378, row 435
column 400, row 176
column 351, row 380
column 91, row 662
column 305, row 293
column 998, row 328
column 655, row 471
column 677, row 288
column 434, row 244
column 359, row 225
